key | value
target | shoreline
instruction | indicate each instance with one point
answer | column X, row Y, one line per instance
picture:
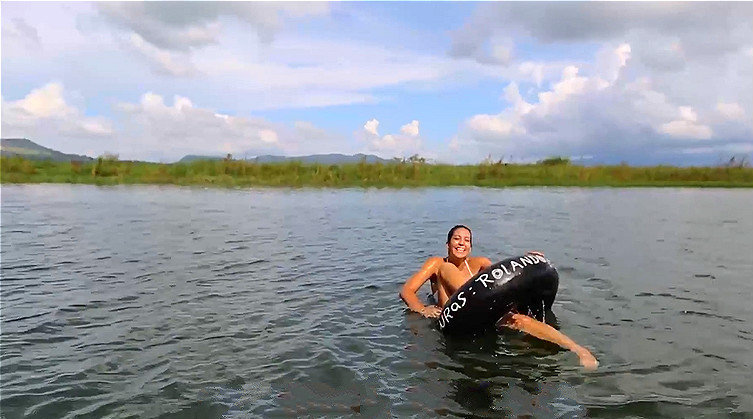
column 238, row 173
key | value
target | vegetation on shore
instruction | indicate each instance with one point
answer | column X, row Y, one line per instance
column 414, row 172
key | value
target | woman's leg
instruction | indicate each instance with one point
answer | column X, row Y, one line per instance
column 543, row 331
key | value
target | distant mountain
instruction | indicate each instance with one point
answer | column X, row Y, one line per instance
column 23, row 147
column 322, row 159
column 193, row 157
column 312, row 159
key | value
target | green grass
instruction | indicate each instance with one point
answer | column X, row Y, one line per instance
column 235, row 173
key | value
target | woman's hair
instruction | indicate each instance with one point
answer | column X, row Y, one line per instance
column 452, row 230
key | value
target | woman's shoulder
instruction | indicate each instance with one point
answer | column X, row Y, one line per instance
column 434, row 260
column 481, row 261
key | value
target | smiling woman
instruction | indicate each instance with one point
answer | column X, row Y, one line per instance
column 507, row 293
column 446, row 274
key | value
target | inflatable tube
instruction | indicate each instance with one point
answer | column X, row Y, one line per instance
column 524, row 284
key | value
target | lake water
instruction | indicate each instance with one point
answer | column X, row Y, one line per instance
column 170, row 302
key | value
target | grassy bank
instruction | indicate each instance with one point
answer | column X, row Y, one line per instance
column 233, row 173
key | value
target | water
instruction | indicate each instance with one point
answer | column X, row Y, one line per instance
column 185, row 302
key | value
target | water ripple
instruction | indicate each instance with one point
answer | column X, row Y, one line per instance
column 141, row 302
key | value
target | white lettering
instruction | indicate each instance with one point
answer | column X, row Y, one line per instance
column 461, row 298
column 497, row 274
column 505, row 268
column 447, row 313
column 484, row 278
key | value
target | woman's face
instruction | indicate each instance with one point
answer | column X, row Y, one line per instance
column 460, row 243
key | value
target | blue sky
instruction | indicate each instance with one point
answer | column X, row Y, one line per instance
column 644, row 83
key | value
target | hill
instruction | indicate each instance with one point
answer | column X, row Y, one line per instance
column 310, row 159
column 10, row 147
column 193, row 157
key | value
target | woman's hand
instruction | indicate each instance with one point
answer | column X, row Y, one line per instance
column 588, row 361
column 431, row 312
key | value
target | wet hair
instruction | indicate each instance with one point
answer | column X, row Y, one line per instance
column 452, row 231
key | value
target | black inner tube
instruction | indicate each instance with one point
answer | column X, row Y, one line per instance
column 523, row 284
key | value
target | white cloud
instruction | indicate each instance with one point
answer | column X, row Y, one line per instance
column 610, row 62
column 371, row 126
column 340, row 66
column 686, row 126
column 732, row 111
column 650, row 60
column 298, row 70
column 181, row 128
column 505, row 124
column 490, row 124
column 410, row 129
column 45, row 112
column 45, row 102
column 653, row 60
column 590, row 115
column 408, row 142
column 156, row 130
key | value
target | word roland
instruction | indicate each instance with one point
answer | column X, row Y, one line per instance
column 496, row 274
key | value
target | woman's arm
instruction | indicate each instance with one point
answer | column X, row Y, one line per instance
column 410, row 289
column 484, row 262
column 543, row 331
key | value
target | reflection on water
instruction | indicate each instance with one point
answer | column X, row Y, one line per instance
column 184, row 302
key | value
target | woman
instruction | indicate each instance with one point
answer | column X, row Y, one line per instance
column 450, row 273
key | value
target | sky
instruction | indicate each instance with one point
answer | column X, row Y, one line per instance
column 643, row 83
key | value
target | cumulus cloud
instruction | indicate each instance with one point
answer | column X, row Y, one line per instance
column 668, row 79
column 298, row 70
column 695, row 49
column 604, row 114
column 408, row 142
column 371, row 127
column 154, row 129
column 696, row 38
column 686, row 126
column 44, row 112
column 410, row 129
column 182, row 128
